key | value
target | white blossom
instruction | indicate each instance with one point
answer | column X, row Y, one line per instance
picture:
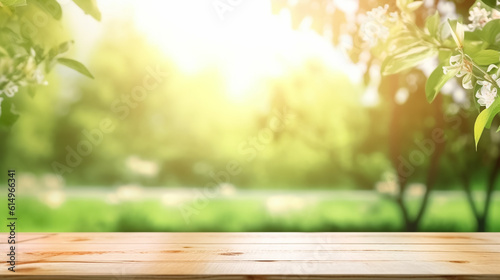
column 10, row 89
column 38, row 77
column 375, row 24
column 487, row 94
column 458, row 34
column 20, row 71
column 478, row 17
column 447, row 9
column 463, row 68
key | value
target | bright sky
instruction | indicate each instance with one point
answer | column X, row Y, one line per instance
column 244, row 39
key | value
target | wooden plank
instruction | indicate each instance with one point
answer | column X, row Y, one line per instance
column 256, row 277
column 260, row 238
column 353, row 268
column 243, row 252
column 256, row 256
column 303, row 247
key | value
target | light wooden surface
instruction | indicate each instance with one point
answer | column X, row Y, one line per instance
column 254, row 256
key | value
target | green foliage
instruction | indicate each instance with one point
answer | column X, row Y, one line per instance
column 436, row 81
column 432, row 24
column 485, row 119
column 89, row 7
column 490, row 32
column 188, row 139
column 50, row 7
column 13, row 3
column 75, row 65
column 487, row 57
column 406, row 59
column 30, row 50
column 9, row 116
column 490, row 3
column 468, row 54
column 329, row 211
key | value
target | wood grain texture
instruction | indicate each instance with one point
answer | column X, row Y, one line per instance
column 254, row 256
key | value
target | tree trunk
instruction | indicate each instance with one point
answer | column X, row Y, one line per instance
column 468, row 192
column 412, row 226
column 395, row 151
column 404, row 212
column 482, row 221
column 435, row 159
column 481, row 224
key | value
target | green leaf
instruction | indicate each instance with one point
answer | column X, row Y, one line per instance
column 405, row 60
column 485, row 118
column 436, row 82
column 432, row 24
column 8, row 116
column 491, row 32
column 444, row 55
column 487, row 57
column 50, row 7
column 477, row 87
column 89, row 7
column 473, row 35
column 9, row 34
column 13, row 3
column 471, row 48
column 413, row 6
column 75, row 65
column 50, row 62
column 402, row 44
column 61, row 48
column 491, row 3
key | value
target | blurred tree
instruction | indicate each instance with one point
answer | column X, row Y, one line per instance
column 192, row 130
column 181, row 122
column 471, row 169
column 409, row 119
column 324, row 123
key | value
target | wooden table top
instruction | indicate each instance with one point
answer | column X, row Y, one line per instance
column 254, row 256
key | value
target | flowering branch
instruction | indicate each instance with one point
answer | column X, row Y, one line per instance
column 25, row 58
column 397, row 40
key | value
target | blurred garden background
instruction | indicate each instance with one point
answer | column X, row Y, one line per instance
column 260, row 115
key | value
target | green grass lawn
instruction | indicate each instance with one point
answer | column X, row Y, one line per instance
column 353, row 213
